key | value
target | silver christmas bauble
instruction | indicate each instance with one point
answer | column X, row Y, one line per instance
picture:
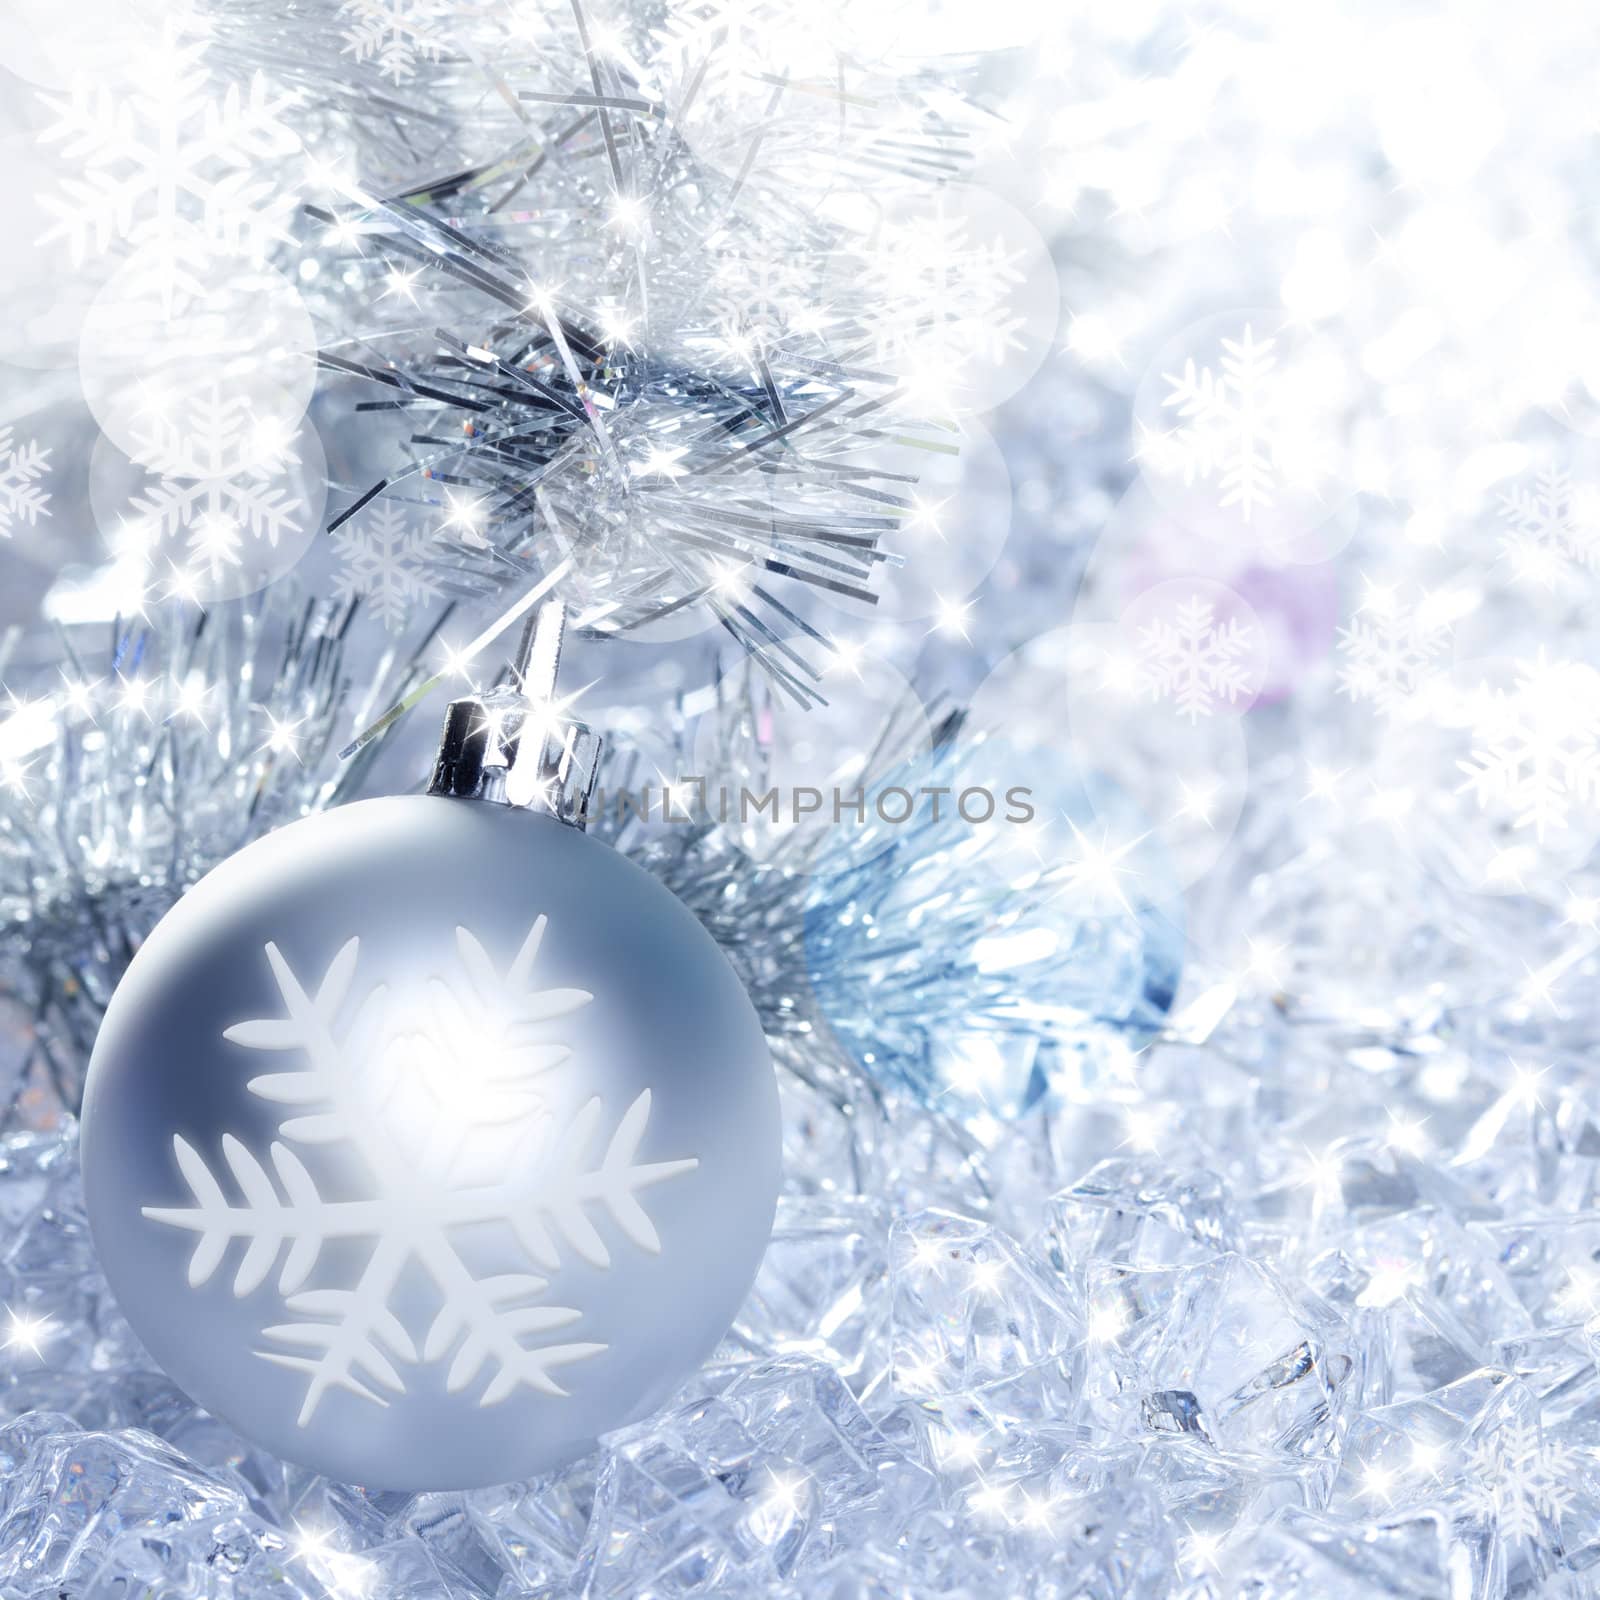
column 426, row 1139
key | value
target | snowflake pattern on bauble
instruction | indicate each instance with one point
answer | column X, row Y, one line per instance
column 409, row 1093
column 1195, row 661
column 386, row 563
column 23, row 497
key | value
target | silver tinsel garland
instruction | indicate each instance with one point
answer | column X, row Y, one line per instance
column 148, row 753
column 648, row 335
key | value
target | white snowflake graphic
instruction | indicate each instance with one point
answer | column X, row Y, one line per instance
column 385, row 561
column 1389, row 648
column 954, row 288
column 167, row 162
column 1536, row 747
column 1520, row 1479
column 758, row 297
column 740, row 37
column 1229, row 425
column 218, row 480
column 1550, row 527
column 393, row 34
column 419, row 1096
column 22, row 497
column 1195, row 661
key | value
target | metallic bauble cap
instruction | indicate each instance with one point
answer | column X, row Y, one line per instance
column 511, row 745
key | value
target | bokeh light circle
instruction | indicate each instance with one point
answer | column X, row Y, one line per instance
column 226, row 527
column 1188, row 778
column 818, row 752
column 956, row 491
column 150, row 346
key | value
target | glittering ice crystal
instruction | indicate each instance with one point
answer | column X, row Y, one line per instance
column 769, row 1479
column 976, row 1314
column 456, row 1539
column 823, row 1287
column 932, row 1161
column 1387, row 1445
column 800, row 1413
column 1374, row 1180
column 933, row 1555
column 1428, row 1299
column 1533, row 1144
column 1213, row 1495
column 538, row 1528
column 1112, row 1545
column 1228, row 1352
column 72, row 1493
column 48, row 1241
column 1139, row 1213
column 28, row 1165
column 1551, row 1265
column 1304, row 1554
column 63, row 1334
column 1514, row 1491
column 1414, row 1343
column 239, row 1557
column 821, row 1132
